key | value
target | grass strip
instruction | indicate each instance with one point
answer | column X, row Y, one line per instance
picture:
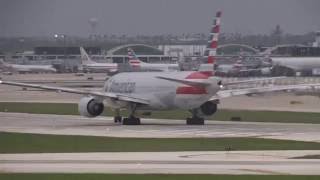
column 222, row 115
column 40, row 143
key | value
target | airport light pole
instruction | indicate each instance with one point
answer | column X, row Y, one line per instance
column 62, row 37
column 58, row 37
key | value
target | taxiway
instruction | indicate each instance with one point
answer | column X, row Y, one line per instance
column 208, row 162
column 157, row 128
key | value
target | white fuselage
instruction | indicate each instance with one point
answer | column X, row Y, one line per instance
column 30, row 68
column 297, row 63
column 159, row 67
column 107, row 67
column 162, row 94
column 153, row 66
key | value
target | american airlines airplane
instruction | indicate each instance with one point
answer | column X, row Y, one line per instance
column 92, row 66
column 26, row 68
column 196, row 91
column 135, row 62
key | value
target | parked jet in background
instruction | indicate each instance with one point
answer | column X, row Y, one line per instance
column 240, row 69
column 196, row 91
column 89, row 65
column 298, row 64
column 136, row 63
column 26, row 68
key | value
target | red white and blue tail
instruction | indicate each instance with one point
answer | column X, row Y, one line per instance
column 133, row 59
column 211, row 50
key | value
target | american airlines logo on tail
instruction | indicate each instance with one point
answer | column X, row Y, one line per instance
column 211, row 50
column 133, row 59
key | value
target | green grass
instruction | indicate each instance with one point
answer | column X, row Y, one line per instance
column 37, row 143
column 317, row 156
column 40, row 108
column 223, row 115
column 152, row 176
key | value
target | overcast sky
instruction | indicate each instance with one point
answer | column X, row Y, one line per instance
column 132, row 17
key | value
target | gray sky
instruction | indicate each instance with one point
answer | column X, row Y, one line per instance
column 132, row 17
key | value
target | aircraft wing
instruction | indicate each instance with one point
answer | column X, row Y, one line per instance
column 104, row 95
column 258, row 90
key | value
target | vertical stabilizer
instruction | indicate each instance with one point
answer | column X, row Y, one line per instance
column 211, row 49
column 2, row 63
column 85, row 59
column 133, row 59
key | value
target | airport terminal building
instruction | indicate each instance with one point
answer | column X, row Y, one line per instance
column 67, row 59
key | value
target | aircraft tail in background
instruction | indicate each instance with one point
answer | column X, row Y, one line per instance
column 85, row 59
column 134, row 61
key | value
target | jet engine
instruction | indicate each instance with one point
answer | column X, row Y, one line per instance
column 266, row 70
column 208, row 108
column 90, row 107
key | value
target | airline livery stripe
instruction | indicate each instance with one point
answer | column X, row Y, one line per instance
column 197, row 75
column 214, row 44
column 217, row 22
column 211, row 59
column 218, row 14
column 191, row 90
column 215, row 29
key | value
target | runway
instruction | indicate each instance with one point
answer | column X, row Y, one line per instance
column 210, row 162
column 241, row 162
column 104, row 126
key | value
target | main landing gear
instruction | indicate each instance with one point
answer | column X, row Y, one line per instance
column 131, row 120
column 117, row 118
column 195, row 119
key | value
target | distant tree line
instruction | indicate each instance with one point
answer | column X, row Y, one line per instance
column 277, row 36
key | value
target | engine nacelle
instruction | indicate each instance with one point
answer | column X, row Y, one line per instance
column 90, row 107
column 208, row 108
column 266, row 71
